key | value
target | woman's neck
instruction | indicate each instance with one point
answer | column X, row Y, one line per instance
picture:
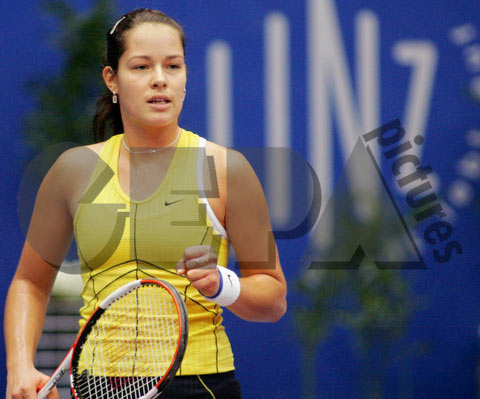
column 151, row 138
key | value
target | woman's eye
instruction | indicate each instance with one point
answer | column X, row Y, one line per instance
column 174, row 66
column 140, row 67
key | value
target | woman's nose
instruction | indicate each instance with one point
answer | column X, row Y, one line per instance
column 158, row 78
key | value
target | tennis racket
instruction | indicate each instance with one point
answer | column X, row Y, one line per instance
column 131, row 346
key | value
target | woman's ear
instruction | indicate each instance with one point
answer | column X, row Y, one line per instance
column 110, row 78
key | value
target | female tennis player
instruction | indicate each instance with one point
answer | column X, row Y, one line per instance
column 154, row 200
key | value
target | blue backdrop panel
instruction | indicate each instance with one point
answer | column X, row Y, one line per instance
column 424, row 69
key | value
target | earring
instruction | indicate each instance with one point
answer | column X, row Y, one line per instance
column 114, row 98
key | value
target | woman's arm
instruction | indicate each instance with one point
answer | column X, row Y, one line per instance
column 242, row 208
column 48, row 239
column 263, row 286
column 24, row 317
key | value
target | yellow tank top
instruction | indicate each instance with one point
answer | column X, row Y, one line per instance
column 120, row 239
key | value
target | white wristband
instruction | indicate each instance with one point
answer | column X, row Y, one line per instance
column 229, row 289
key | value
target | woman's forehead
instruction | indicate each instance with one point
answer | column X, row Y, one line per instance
column 153, row 37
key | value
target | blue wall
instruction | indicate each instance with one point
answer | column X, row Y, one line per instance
column 422, row 34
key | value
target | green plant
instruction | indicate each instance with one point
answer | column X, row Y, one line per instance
column 66, row 101
column 375, row 305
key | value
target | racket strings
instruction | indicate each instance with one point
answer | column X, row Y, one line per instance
column 113, row 387
column 131, row 347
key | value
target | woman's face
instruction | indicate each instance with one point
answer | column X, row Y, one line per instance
column 151, row 77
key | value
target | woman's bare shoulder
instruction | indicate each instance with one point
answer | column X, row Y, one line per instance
column 228, row 162
column 74, row 167
column 74, row 153
column 214, row 149
column 79, row 157
column 226, row 158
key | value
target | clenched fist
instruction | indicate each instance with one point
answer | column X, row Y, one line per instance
column 199, row 266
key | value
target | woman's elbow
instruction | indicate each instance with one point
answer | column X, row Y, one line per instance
column 279, row 310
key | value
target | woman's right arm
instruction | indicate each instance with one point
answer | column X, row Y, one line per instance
column 24, row 317
column 48, row 239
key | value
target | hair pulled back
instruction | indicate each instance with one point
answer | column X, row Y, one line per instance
column 108, row 114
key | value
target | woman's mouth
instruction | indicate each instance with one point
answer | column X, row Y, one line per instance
column 160, row 101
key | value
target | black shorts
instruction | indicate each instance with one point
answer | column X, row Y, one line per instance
column 206, row 386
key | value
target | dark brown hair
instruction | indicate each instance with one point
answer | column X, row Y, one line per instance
column 107, row 113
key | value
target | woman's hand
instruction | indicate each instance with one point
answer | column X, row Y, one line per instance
column 199, row 266
column 25, row 382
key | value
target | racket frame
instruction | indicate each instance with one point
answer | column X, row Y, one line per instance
column 75, row 350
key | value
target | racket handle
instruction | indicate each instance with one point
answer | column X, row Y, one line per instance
column 59, row 372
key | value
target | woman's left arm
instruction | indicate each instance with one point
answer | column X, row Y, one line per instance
column 263, row 286
column 242, row 208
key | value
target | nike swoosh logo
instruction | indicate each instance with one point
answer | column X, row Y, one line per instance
column 173, row 202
